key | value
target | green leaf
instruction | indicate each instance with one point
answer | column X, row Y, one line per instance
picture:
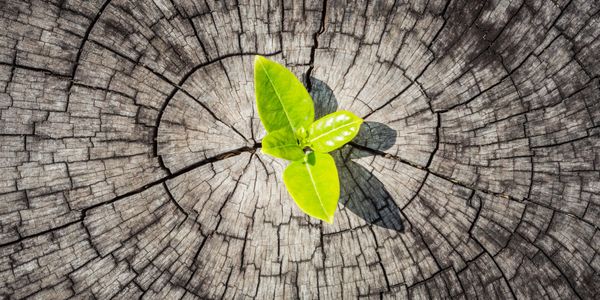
column 314, row 185
column 333, row 131
column 282, row 100
column 280, row 144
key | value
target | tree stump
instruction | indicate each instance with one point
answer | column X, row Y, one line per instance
column 131, row 163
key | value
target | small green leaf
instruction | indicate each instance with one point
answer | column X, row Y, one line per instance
column 280, row 144
column 314, row 185
column 333, row 131
column 282, row 100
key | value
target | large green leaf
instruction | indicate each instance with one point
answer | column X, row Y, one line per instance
column 281, row 144
column 282, row 100
column 333, row 131
column 314, row 185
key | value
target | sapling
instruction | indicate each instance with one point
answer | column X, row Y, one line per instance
column 287, row 112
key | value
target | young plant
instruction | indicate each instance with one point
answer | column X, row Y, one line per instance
column 287, row 112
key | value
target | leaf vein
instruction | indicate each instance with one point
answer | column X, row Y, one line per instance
column 315, row 188
column 278, row 96
column 335, row 129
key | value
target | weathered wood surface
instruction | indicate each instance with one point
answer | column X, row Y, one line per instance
column 130, row 167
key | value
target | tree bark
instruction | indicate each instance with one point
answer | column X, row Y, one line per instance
column 131, row 163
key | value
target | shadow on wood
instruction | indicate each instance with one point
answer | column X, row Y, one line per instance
column 361, row 192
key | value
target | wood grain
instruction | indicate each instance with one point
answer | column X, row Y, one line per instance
column 131, row 167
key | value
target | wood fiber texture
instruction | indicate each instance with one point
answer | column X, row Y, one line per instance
column 130, row 162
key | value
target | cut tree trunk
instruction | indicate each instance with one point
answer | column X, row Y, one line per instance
column 131, row 167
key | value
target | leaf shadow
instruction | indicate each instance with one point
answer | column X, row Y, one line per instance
column 323, row 97
column 360, row 191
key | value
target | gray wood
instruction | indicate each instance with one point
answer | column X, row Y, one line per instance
column 131, row 167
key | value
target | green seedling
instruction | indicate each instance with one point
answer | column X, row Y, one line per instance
column 287, row 112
